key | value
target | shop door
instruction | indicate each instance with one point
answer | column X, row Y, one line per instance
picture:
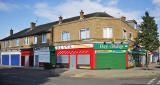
column 31, row 60
column 72, row 61
column 5, row 59
column 27, row 61
column 22, row 60
column 36, row 61
column 15, row 60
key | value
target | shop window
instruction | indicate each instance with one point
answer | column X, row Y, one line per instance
column 10, row 43
column 35, row 40
column 124, row 34
column 107, row 33
column 26, row 40
column 44, row 38
column 16, row 42
column 84, row 33
column 65, row 36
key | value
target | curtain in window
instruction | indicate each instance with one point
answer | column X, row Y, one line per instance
column 44, row 39
column 107, row 32
column 84, row 33
column 10, row 43
column 17, row 42
column 35, row 40
column 65, row 36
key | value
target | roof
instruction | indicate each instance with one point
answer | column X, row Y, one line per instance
column 45, row 28
column 132, row 21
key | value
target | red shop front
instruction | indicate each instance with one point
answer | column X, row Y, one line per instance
column 76, row 57
column 27, row 58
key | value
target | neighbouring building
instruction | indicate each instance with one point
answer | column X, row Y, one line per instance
column 24, row 47
column 73, row 42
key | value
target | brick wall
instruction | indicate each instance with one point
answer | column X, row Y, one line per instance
column 95, row 25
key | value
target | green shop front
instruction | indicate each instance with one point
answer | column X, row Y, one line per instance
column 111, row 55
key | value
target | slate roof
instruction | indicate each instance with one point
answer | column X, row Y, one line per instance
column 46, row 28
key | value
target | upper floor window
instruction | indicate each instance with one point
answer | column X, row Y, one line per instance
column 4, row 44
column 65, row 36
column 26, row 40
column 16, row 42
column 130, row 36
column 84, row 33
column 35, row 40
column 10, row 43
column 44, row 38
column 107, row 33
column 124, row 34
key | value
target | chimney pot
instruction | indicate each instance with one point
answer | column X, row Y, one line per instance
column 33, row 25
column 60, row 19
column 11, row 32
column 123, row 18
column 81, row 14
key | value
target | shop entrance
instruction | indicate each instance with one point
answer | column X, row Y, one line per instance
column 72, row 61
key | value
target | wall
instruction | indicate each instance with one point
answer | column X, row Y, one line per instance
column 95, row 25
column 30, row 45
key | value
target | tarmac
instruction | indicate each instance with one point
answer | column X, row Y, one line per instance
column 153, row 70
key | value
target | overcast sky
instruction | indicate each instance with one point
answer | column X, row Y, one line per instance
column 17, row 14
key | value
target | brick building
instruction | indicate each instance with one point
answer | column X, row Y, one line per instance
column 76, row 34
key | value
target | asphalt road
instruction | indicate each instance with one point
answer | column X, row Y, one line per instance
column 17, row 76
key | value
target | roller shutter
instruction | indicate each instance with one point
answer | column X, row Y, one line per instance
column 84, row 59
column 15, row 60
column 5, row 59
column 62, row 58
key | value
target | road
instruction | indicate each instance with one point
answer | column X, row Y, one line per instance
column 16, row 76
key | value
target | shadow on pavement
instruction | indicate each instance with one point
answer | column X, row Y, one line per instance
column 21, row 76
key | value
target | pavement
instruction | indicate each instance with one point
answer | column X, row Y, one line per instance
column 136, row 72
column 62, row 76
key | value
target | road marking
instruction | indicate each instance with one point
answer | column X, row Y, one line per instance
column 150, row 82
column 158, row 82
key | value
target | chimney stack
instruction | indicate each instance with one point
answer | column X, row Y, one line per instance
column 33, row 25
column 60, row 19
column 11, row 32
column 81, row 14
column 123, row 18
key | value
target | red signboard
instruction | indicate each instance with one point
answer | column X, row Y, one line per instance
column 26, row 52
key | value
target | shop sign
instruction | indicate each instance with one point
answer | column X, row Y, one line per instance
column 75, row 46
column 111, row 46
column 109, row 51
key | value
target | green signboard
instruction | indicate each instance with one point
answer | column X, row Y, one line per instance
column 111, row 46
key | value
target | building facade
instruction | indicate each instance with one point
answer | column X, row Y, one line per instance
column 70, row 41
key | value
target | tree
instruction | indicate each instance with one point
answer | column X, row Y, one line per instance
column 148, row 36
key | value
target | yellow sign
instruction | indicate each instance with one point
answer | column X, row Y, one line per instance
column 82, row 46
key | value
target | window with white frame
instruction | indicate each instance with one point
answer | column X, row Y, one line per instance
column 35, row 40
column 44, row 38
column 4, row 44
column 16, row 42
column 65, row 36
column 10, row 43
column 26, row 40
column 124, row 34
column 107, row 33
column 84, row 33
column 130, row 36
